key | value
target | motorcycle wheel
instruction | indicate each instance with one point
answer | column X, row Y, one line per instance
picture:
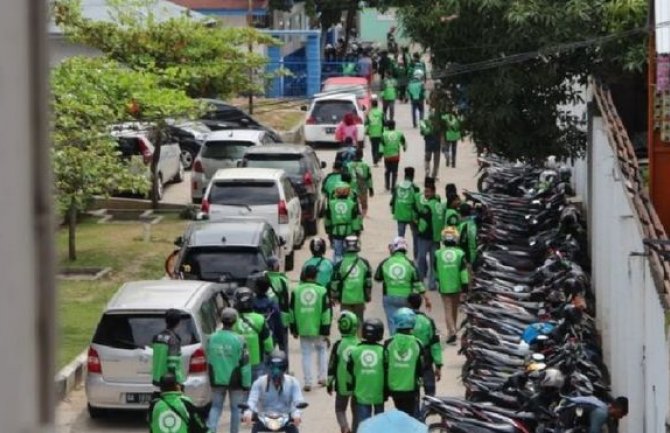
column 481, row 182
column 437, row 428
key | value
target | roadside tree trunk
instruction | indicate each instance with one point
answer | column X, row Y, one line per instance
column 154, row 168
column 351, row 15
column 72, row 232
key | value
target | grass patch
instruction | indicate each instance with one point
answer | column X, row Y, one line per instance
column 275, row 113
column 281, row 120
column 119, row 246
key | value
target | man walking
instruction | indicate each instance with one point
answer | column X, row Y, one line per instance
column 416, row 93
column 363, row 177
column 452, row 123
column 167, row 350
column 403, row 205
column 392, row 142
column 431, row 138
column 389, row 95
column 317, row 246
column 453, row 278
column 426, row 331
column 342, row 218
column 374, row 127
column 430, row 212
column 253, row 328
column 352, row 279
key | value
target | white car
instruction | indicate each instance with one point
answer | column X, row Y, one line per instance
column 222, row 149
column 259, row 193
column 326, row 112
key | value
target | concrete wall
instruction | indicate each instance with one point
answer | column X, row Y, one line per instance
column 629, row 313
column 374, row 25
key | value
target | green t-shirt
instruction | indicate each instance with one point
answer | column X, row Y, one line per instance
column 426, row 332
column 356, row 287
column 324, row 270
column 404, row 355
column 399, row 276
column 374, row 122
column 367, row 368
column 403, row 201
column 252, row 327
column 338, row 375
column 228, row 360
column 451, row 269
column 310, row 310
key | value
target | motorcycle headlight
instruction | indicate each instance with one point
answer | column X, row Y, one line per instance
column 274, row 424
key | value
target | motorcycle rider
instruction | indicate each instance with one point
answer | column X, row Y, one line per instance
column 275, row 392
column 342, row 218
column 392, row 142
column 404, row 363
column 166, row 348
column 403, row 206
column 367, row 368
column 229, row 370
column 426, row 331
column 339, row 378
column 430, row 217
column 324, row 266
column 374, row 127
column 311, row 316
column 400, row 278
column 599, row 413
column 352, row 279
column 255, row 331
column 453, row 278
column 172, row 411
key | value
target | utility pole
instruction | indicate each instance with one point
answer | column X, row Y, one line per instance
column 250, row 24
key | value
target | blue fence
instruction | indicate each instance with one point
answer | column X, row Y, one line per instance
column 295, row 83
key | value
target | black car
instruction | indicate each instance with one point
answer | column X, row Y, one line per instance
column 226, row 116
column 303, row 168
column 190, row 135
column 224, row 251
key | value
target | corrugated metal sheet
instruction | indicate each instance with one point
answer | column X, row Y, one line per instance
column 662, row 10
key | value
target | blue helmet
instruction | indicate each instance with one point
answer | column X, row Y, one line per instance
column 404, row 318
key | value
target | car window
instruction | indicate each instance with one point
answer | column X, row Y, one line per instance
column 137, row 330
column 249, row 192
column 332, row 111
column 220, row 264
column 225, row 149
column 207, row 316
column 290, row 163
column 266, row 244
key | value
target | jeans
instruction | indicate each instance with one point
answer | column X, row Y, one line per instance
column 432, row 154
column 259, row 427
column 402, row 229
column 388, row 107
column 341, row 404
column 338, row 249
column 364, row 411
column 407, row 401
column 429, row 381
column 307, row 346
column 374, row 146
column 425, row 260
column 390, row 173
column 417, row 106
column 449, row 151
column 391, row 305
column 237, row 396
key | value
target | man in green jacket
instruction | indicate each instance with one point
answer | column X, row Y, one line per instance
column 416, row 93
column 324, row 266
column 342, row 218
column 392, row 142
column 167, row 350
column 363, row 179
column 404, row 363
column 403, row 206
column 430, row 221
column 426, row 331
column 352, row 279
column 467, row 229
column 374, row 127
column 399, row 277
column 453, row 278
column 229, row 371
column 452, row 124
column 253, row 328
column 389, row 95
column 431, row 139
column 310, row 321
column 339, row 379
column 366, row 367
column 172, row 411
column 331, row 180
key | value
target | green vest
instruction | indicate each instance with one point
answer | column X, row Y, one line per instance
column 166, row 357
column 389, row 92
column 374, row 122
column 363, row 175
column 452, row 272
column 341, row 221
column 279, row 291
column 170, row 413
column 252, row 327
column 339, row 359
column 355, row 288
column 228, row 360
column 403, row 204
column 391, row 143
column 415, row 90
column 324, row 268
column 310, row 310
column 430, row 217
column 468, row 231
column 453, row 127
column 404, row 358
column 426, row 332
column 399, row 276
column 367, row 368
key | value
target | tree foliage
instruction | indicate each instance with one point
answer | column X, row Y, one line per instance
column 517, row 108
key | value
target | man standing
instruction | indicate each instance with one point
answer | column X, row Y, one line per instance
column 252, row 327
column 403, row 205
column 426, row 331
column 324, row 266
column 452, row 275
column 430, row 212
column 416, row 93
column 310, row 320
column 167, row 350
column 431, row 138
column 363, row 177
column 229, row 371
column 468, row 233
column 452, row 123
column 389, row 95
column 392, row 142
column 279, row 291
column 352, row 279
column 400, row 278
column 172, row 411
column 331, row 180
column 374, row 127
column 342, row 218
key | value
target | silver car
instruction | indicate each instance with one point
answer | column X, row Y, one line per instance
column 120, row 356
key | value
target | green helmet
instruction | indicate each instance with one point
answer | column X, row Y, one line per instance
column 347, row 323
column 404, row 318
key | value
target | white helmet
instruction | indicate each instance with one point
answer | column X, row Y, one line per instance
column 399, row 244
column 553, row 378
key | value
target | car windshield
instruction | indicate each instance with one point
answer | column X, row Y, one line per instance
column 225, row 149
column 137, row 330
column 290, row 163
column 332, row 111
column 248, row 192
column 360, row 90
column 219, row 263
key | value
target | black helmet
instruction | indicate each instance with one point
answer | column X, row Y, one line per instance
column 572, row 314
column 228, row 317
column 259, row 282
column 373, row 330
column 244, row 299
column 573, row 286
column 317, row 246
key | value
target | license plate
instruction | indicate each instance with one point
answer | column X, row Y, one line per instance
column 330, row 130
column 138, row 397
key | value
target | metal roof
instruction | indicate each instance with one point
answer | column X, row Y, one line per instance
column 241, row 232
column 155, row 295
column 279, row 148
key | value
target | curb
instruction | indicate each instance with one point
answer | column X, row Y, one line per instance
column 70, row 376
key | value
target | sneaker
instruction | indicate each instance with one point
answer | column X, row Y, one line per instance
column 452, row 339
column 307, row 388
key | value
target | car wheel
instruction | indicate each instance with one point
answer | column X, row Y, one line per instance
column 96, row 412
column 312, row 227
column 187, row 157
column 179, row 177
column 289, row 262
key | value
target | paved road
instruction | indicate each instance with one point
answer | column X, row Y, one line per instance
column 379, row 230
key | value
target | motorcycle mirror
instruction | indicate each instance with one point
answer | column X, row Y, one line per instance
column 301, row 405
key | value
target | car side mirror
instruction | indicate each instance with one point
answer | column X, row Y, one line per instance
column 303, row 108
column 179, row 241
column 323, row 164
column 282, row 241
column 301, row 405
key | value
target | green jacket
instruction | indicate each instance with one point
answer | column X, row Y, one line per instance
column 452, row 217
column 363, row 176
column 339, row 377
column 452, row 127
column 468, row 239
column 253, row 328
column 451, row 269
column 426, row 332
column 324, row 268
column 167, row 356
column 403, row 201
column 392, row 142
column 367, row 368
column 352, row 280
column 389, row 92
column 173, row 412
column 329, row 182
column 374, row 123
column 310, row 310
column 342, row 217
column 228, row 360
column 416, row 90
column 279, row 290
column 399, row 276
column 430, row 215
column 405, row 363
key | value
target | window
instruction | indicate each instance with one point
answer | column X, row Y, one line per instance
column 218, row 264
column 132, row 331
column 249, row 192
column 225, row 149
column 332, row 111
column 208, row 316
